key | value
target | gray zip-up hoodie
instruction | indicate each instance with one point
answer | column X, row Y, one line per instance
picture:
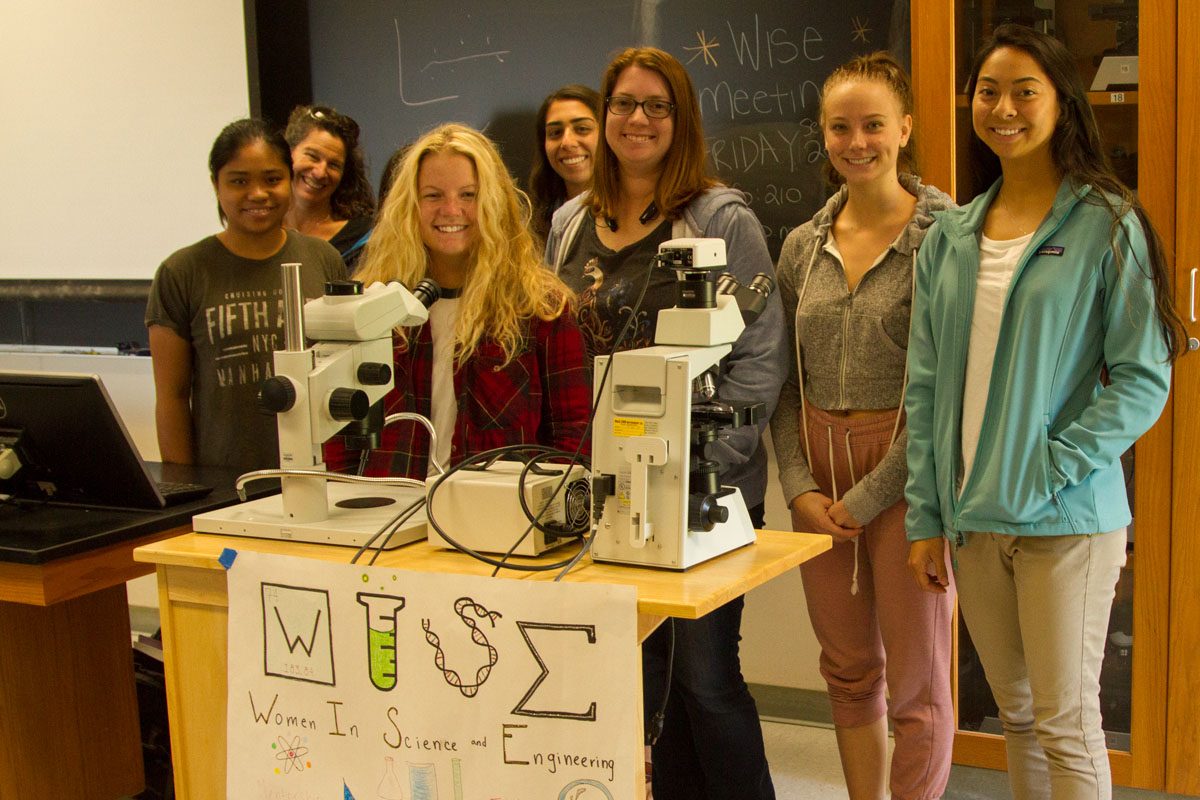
column 853, row 344
column 754, row 371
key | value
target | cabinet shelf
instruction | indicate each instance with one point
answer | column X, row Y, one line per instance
column 1125, row 98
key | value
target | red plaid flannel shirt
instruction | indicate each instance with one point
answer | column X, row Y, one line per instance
column 542, row 396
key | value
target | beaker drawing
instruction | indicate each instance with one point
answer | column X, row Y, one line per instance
column 390, row 787
column 381, row 637
column 422, row 781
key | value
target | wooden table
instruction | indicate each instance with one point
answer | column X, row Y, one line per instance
column 69, row 725
column 193, row 605
column 68, row 705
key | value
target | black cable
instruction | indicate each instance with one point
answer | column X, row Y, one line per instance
column 656, row 260
column 396, row 520
column 470, row 461
column 659, row 718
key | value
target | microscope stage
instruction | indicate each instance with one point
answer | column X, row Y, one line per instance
column 354, row 517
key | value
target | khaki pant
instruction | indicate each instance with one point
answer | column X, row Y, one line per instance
column 1037, row 608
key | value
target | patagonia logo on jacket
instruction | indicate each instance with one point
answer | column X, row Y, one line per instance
column 1050, row 250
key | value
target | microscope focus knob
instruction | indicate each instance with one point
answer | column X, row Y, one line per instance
column 705, row 513
column 372, row 373
column 348, row 404
column 276, row 395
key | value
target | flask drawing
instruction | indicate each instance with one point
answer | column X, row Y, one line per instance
column 381, row 637
column 422, row 781
column 390, row 787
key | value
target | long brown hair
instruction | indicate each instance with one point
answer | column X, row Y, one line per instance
column 1075, row 148
column 353, row 196
column 685, row 173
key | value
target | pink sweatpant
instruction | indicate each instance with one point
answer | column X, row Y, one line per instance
column 891, row 634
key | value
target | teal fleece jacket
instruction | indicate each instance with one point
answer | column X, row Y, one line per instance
column 1049, row 452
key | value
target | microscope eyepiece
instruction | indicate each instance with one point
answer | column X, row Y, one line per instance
column 427, row 291
column 343, row 288
column 763, row 283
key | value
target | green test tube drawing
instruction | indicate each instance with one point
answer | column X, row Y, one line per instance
column 381, row 637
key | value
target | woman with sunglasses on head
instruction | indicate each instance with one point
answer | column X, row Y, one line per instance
column 500, row 361
column 651, row 185
column 216, row 308
column 845, row 278
column 331, row 194
column 567, row 133
column 1041, row 346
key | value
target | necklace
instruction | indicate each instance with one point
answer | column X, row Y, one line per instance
column 1023, row 227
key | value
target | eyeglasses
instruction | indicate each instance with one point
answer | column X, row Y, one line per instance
column 346, row 127
column 624, row 106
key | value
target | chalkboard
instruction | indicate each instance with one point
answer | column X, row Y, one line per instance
column 401, row 67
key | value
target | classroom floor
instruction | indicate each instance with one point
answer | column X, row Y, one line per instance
column 804, row 765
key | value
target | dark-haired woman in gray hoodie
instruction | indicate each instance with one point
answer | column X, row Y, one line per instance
column 845, row 279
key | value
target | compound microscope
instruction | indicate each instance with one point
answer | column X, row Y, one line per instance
column 315, row 393
column 656, row 495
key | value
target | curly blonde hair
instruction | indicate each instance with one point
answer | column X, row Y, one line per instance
column 506, row 283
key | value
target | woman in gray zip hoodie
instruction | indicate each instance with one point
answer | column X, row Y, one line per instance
column 845, row 279
column 651, row 185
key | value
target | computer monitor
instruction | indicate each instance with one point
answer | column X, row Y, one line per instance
column 69, row 443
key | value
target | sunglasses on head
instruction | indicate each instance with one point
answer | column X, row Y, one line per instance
column 343, row 125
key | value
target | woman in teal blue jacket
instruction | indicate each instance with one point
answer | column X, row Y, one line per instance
column 1024, row 301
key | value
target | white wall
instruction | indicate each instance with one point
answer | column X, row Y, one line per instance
column 110, row 109
column 778, row 646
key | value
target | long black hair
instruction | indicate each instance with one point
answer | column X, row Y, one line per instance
column 547, row 189
column 353, row 196
column 1075, row 148
column 236, row 135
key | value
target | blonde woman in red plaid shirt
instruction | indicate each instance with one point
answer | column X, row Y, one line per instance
column 500, row 361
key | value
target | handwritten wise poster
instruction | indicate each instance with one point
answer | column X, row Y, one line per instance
column 378, row 684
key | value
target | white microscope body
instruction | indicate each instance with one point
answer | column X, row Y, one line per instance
column 655, row 494
column 315, row 392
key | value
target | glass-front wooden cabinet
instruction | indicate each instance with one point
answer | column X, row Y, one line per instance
column 1133, row 57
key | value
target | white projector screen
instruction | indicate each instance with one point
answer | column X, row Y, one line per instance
column 109, row 110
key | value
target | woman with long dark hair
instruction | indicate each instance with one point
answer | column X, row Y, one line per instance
column 567, row 133
column 331, row 194
column 1041, row 346
column 214, row 311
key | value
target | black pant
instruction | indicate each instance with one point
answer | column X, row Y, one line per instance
column 711, row 747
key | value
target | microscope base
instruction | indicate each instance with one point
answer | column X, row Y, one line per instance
column 351, row 527
column 667, row 549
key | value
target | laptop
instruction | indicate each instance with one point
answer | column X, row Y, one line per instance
column 62, row 441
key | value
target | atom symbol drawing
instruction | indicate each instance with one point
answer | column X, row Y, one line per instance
column 291, row 754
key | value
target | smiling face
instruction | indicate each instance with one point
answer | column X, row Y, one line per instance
column 571, row 137
column 1015, row 107
column 447, row 193
column 318, row 161
column 253, row 190
column 640, row 143
column 865, row 130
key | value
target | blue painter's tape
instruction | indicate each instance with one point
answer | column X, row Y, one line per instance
column 227, row 556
